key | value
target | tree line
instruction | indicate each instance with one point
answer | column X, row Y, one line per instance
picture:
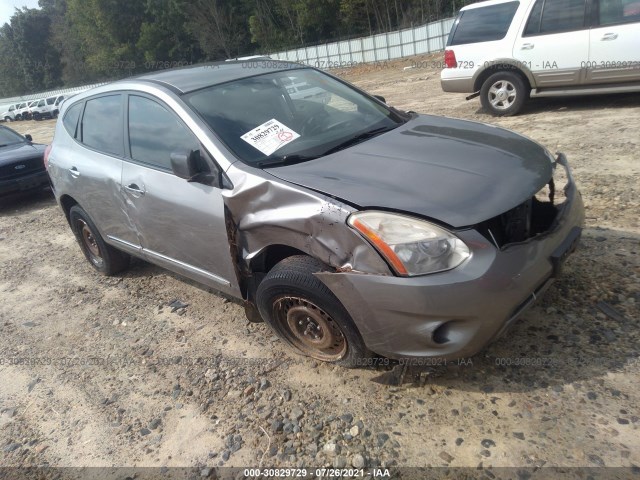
column 74, row 42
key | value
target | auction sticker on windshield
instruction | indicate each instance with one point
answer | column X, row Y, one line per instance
column 270, row 136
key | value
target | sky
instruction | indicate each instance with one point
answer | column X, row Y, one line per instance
column 7, row 8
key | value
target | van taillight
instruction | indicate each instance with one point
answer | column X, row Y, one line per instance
column 47, row 151
column 450, row 59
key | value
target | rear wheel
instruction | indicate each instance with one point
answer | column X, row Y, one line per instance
column 8, row 119
column 104, row 258
column 304, row 313
column 503, row 94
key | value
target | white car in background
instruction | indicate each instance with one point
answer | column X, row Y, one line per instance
column 24, row 113
column 47, row 108
column 506, row 51
column 9, row 115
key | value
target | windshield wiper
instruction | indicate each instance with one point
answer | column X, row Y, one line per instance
column 357, row 139
column 284, row 160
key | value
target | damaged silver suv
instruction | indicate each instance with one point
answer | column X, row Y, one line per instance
column 350, row 227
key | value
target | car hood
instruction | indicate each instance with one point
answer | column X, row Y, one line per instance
column 21, row 151
column 454, row 171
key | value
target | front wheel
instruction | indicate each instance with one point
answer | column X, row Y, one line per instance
column 304, row 313
column 503, row 94
column 8, row 119
column 104, row 258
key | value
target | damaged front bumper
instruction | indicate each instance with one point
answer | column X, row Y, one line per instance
column 455, row 314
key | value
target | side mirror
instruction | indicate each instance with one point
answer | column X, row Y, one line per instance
column 186, row 164
column 28, row 137
column 381, row 98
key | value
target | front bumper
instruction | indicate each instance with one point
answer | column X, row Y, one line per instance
column 32, row 181
column 455, row 314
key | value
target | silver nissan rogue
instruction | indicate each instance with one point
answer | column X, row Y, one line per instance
column 352, row 228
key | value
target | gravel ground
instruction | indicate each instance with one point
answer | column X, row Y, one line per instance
column 101, row 371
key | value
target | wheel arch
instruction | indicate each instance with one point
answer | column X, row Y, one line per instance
column 67, row 202
column 269, row 256
column 503, row 65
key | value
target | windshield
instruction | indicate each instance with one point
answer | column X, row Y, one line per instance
column 290, row 116
column 9, row 137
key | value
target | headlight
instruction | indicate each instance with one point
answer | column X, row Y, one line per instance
column 411, row 246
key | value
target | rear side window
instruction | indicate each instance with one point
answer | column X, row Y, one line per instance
column 155, row 133
column 612, row 12
column 51, row 101
column 555, row 16
column 70, row 120
column 102, row 125
column 484, row 24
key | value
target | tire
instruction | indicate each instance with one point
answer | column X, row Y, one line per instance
column 104, row 258
column 37, row 117
column 503, row 94
column 290, row 294
column 8, row 119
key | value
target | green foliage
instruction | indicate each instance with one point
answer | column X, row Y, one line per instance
column 71, row 42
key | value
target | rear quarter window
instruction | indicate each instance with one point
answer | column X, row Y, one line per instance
column 484, row 24
column 70, row 120
column 102, row 125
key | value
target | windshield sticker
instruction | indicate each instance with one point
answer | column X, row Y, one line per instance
column 270, row 136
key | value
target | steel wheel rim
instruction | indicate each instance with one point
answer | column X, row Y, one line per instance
column 90, row 243
column 502, row 94
column 310, row 329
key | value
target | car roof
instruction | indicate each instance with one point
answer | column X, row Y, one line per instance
column 191, row 78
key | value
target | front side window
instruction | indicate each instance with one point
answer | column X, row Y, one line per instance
column 41, row 103
column 102, row 125
column 155, row 133
column 612, row 12
column 484, row 24
column 290, row 116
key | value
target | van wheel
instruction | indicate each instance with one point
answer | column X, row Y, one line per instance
column 503, row 94
column 8, row 119
column 304, row 313
column 104, row 258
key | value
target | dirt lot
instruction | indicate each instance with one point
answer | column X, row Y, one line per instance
column 99, row 372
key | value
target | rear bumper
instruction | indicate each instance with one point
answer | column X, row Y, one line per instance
column 455, row 314
column 28, row 182
column 457, row 85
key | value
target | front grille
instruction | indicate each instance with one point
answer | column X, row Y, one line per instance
column 533, row 217
column 30, row 166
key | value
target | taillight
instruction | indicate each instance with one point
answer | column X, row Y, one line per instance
column 450, row 59
column 47, row 151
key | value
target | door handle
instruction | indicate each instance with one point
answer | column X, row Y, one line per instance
column 74, row 172
column 527, row 46
column 135, row 190
column 609, row 36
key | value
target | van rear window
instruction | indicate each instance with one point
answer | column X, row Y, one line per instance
column 484, row 24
